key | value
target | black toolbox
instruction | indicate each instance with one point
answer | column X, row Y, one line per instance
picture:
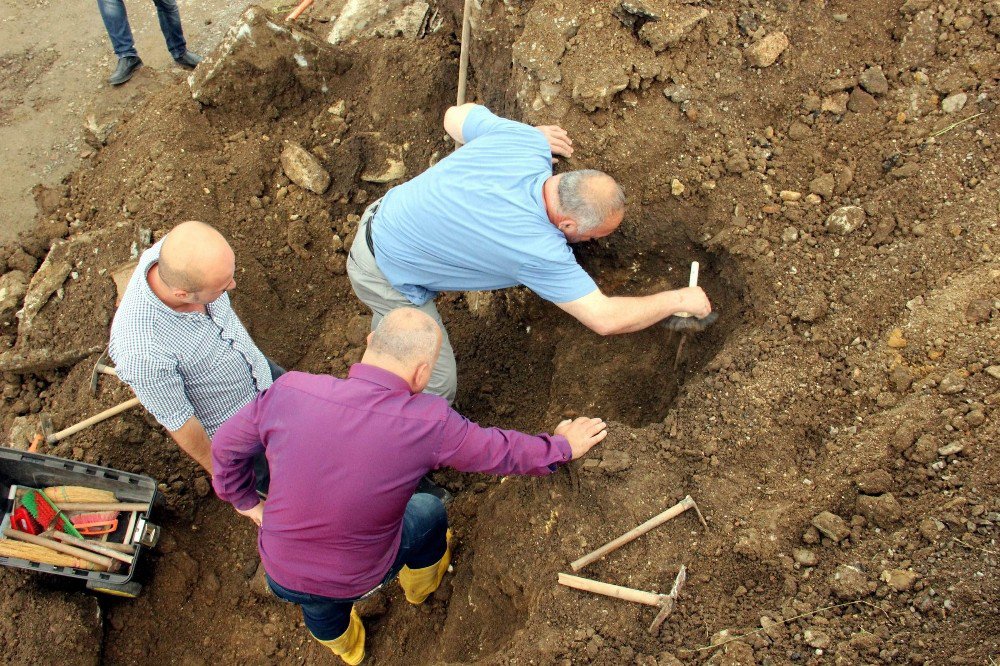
column 34, row 470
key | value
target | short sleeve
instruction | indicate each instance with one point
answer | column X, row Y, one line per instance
column 558, row 281
column 159, row 386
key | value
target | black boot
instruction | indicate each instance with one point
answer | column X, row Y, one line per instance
column 127, row 66
column 189, row 60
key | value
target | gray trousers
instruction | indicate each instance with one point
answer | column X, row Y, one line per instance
column 375, row 291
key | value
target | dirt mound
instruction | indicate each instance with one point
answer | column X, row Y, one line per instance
column 841, row 195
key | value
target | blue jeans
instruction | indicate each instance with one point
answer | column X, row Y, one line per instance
column 116, row 22
column 424, row 542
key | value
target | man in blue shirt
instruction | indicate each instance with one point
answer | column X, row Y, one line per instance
column 492, row 215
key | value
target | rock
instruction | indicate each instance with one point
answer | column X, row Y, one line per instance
column 676, row 187
column 675, row 22
column 677, row 94
column 954, row 382
column 410, row 22
column 900, row 378
column 816, row 638
column 365, row 19
column 953, row 103
column 303, row 169
column 262, row 63
column 924, row 450
column 20, row 260
column 357, row 330
column 798, row 130
column 861, row 102
column 805, row 557
column 789, row 235
column 883, row 510
column 832, row 526
column 774, row 629
column 13, row 287
column 668, row 659
column 874, row 482
column 202, row 487
column 952, row 449
column 929, row 528
column 873, row 80
column 978, row 311
column 22, row 431
column 737, row 164
column 811, row 307
column 44, row 283
column 848, row 582
column 835, row 104
column 844, row 175
column 920, row 40
column 993, row 371
column 765, row 52
column 595, row 89
column 896, row 339
column 615, row 461
column 789, row 195
column 385, row 164
column 899, row 579
column 846, row 219
column 823, row 185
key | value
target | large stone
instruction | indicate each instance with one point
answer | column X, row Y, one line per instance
column 671, row 26
column 848, row 582
column 873, row 80
column 13, row 287
column 846, row 219
column 884, row 510
column 262, row 62
column 953, row 103
column 385, row 163
column 765, row 52
column 597, row 87
column 382, row 18
column 861, row 102
column 823, row 185
column 304, row 169
column 900, row 580
column 832, row 526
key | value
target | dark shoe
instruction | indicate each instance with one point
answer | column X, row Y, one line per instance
column 189, row 60
column 429, row 487
column 127, row 66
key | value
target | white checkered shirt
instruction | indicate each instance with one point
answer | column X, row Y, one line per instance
column 184, row 364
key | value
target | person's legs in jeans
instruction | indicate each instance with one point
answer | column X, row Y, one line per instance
column 424, row 552
column 116, row 23
column 170, row 25
column 332, row 622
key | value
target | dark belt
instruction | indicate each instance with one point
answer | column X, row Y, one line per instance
column 368, row 228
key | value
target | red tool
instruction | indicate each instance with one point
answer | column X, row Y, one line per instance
column 23, row 521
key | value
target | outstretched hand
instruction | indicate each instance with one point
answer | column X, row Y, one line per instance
column 582, row 434
column 558, row 138
column 256, row 514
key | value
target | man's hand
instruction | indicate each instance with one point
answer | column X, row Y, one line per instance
column 694, row 301
column 256, row 514
column 582, row 434
column 559, row 141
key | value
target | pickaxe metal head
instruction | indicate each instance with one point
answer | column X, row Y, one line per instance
column 101, row 368
column 669, row 601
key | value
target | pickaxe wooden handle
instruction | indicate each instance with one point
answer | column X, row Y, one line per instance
column 96, row 418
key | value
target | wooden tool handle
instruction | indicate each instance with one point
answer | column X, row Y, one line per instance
column 693, row 280
column 92, row 546
column 96, row 418
column 102, row 506
column 78, row 553
column 609, row 590
column 633, row 534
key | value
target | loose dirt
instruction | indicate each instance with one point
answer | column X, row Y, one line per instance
column 843, row 204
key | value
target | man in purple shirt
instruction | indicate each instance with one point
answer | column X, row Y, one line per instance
column 345, row 458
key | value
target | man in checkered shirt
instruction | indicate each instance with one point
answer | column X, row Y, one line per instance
column 178, row 343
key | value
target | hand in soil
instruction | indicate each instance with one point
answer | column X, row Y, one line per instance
column 694, row 301
column 558, row 138
column 256, row 514
column 582, row 433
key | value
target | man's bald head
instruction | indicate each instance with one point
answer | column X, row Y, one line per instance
column 592, row 199
column 196, row 258
column 408, row 337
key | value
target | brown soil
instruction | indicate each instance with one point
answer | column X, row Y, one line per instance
column 793, row 404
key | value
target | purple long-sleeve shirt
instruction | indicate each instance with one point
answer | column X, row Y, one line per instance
column 345, row 457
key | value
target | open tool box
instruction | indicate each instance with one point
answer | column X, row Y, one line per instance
column 132, row 533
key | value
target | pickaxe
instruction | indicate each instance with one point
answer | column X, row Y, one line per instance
column 665, row 602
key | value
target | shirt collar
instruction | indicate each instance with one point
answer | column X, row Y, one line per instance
column 375, row 375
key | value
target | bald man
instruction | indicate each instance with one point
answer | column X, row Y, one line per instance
column 346, row 456
column 492, row 215
column 178, row 343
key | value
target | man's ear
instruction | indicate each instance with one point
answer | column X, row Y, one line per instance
column 421, row 377
column 567, row 226
column 368, row 340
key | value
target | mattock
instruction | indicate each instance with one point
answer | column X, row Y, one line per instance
column 101, row 368
column 665, row 602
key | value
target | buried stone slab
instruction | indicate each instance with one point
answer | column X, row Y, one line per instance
column 259, row 60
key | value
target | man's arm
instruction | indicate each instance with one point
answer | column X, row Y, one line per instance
column 234, row 447
column 468, row 447
column 611, row 315
column 194, row 441
column 454, row 118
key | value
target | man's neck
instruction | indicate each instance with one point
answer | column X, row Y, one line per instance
column 550, row 195
column 163, row 292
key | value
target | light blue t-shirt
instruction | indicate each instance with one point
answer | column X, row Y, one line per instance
column 476, row 220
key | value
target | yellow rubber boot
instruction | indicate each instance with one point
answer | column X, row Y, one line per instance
column 418, row 584
column 350, row 645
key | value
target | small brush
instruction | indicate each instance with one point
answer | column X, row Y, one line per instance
column 685, row 322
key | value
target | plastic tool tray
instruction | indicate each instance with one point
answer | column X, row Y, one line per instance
column 33, row 470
